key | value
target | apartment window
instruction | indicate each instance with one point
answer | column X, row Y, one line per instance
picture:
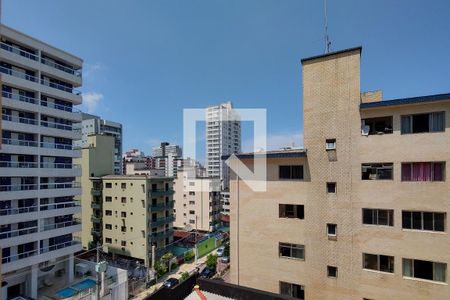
column 108, row 226
column 332, row 271
column 291, row 250
column 292, row 290
column 421, row 220
column 382, row 263
column 423, row 269
column 123, row 214
column 191, row 221
column 123, row 185
column 192, row 212
column 331, row 229
column 331, row 187
column 191, row 202
column 108, row 185
column 108, row 212
column 377, row 171
column 191, row 193
column 291, row 172
column 291, row 211
column 419, row 123
column 108, row 199
column 423, row 171
column 123, row 199
column 108, row 240
column 330, row 144
column 123, row 243
column 374, row 216
column 123, row 229
column 380, row 125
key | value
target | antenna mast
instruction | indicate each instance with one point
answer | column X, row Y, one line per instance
column 327, row 38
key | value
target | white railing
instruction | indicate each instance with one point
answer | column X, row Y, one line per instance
column 19, row 256
column 17, row 210
column 56, row 125
column 19, row 97
column 56, row 146
column 61, row 67
column 19, row 51
column 18, row 164
column 51, row 165
column 18, row 232
column 18, row 74
column 19, row 187
column 59, row 225
column 59, row 246
column 60, row 87
column 59, row 185
column 17, row 119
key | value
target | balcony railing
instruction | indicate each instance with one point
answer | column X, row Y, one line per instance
column 162, row 221
column 17, row 210
column 161, row 192
column 18, row 74
column 96, row 192
column 61, row 67
column 161, row 234
column 60, row 87
column 13, row 258
column 96, row 219
column 60, row 205
column 19, row 187
column 95, row 205
column 96, row 232
column 50, row 165
column 19, row 97
column 18, row 232
column 59, row 246
column 36, row 101
column 56, row 125
column 16, row 119
column 19, row 51
column 162, row 206
column 18, row 164
column 59, row 185
column 59, row 225
column 17, row 142
column 58, row 106
column 56, row 146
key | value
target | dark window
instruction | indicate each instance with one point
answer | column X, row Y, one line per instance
column 332, row 229
column 108, row 240
column 423, row 171
column 292, row 290
column 332, row 271
column 373, row 216
column 424, row 269
column 108, row 212
column 291, row 250
column 108, row 199
column 291, row 172
column 123, row 214
column 380, row 125
column 191, row 193
column 192, row 212
column 123, row 243
column 419, row 123
column 108, row 185
column 419, row 220
column 123, row 199
column 383, row 263
column 123, row 185
column 377, row 171
column 331, row 187
column 291, row 211
column 123, row 229
column 108, row 226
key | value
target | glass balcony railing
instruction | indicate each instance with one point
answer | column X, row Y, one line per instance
column 18, row 74
column 60, row 205
column 60, row 87
column 162, row 221
column 59, row 225
column 160, row 192
column 18, row 164
column 56, row 125
column 18, row 187
column 19, row 256
column 18, row 210
column 59, row 185
column 51, row 165
column 17, row 119
column 17, row 142
column 59, row 246
column 162, row 206
column 60, row 67
column 19, row 97
column 19, row 51
column 161, row 234
column 18, row 232
column 57, row 146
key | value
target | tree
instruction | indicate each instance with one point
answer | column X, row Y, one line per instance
column 211, row 261
column 160, row 268
column 184, row 276
column 189, row 256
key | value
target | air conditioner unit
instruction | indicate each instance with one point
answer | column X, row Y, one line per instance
column 330, row 145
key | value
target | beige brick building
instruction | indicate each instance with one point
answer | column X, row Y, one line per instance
column 360, row 213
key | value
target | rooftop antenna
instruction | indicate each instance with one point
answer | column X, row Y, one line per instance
column 327, row 37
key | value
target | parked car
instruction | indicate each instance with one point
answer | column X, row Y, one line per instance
column 220, row 251
column 225, row 259
column 207, row 273
column 171, row 282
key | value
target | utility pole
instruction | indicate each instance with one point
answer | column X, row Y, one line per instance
column 98, row 271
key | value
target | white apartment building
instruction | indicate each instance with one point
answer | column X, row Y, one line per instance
column 223, row 137
column 96, row 125
column 37, row 174
column 167, row 157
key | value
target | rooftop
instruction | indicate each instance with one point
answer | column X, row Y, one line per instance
column 406, row 101
column 281, row 153
column 359, row 48
column 134, row 177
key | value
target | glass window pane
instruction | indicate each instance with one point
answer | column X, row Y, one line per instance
column 406, row 220
column 382, row 217
column 439, row 272
column 285, row 172
column 297, row 172
column 298, row 253
column 428, row 221
column 387, row 263
column 439, row 221
column 285, row 288
column 370, row 261
column 417, row 220
column 423, row 269
column 407, row 267
column 368, row 216
column 285, row 251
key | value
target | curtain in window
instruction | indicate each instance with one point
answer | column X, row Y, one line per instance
column 406, row 172
column 438, row 172
column 407, row 267
column 437, row 121
column 406, row 124
column 439, row 272
column 421, row 171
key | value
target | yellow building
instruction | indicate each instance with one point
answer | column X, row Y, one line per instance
column 97, row 159
column 360, row 213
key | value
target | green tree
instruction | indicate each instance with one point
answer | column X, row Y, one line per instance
column 184, row 276
column 189, row 256
column 160, row 268
column 211, row 261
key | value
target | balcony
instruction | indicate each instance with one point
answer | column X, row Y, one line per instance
column 17, row 142
column 96, row 219
column 162, row 221
column 162, row 206
column 60, row 87
column 63, row 185
column 19, row 97
column 59, row 246
column 21, row 120
column 18, row 74
column 60, row 205
column 60, row 225
column 19, row 256
column 56, row 125
column 19, row 51
column 18, row 232
column 50, row 165
column 60, row 67
column 160, row 192
column 18, row 210
column 96, row 232
column 161, row 234
column 18, row 164
column 96, row 192
column 57, row 146
column 18, row 187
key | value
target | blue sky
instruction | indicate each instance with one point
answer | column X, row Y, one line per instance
column 147, row 60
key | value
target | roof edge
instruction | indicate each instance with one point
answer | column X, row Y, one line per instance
column 331, row 54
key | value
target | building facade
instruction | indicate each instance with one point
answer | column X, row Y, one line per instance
column 37, row 173
column 137, row 160
column 97, row 159
column 197, row 203
column 223, row 137
column 137, row 212
column 168, row 158
column 361, row 213
column 96, row 125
